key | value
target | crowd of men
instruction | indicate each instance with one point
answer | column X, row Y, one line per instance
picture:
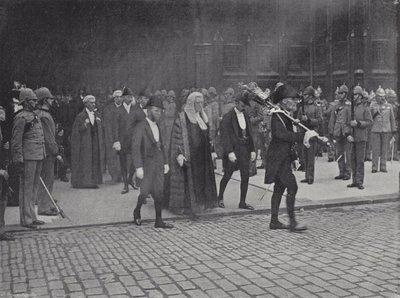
column 45, row 135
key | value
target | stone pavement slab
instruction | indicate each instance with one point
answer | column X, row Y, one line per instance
column 349, row 251
column 106, row 205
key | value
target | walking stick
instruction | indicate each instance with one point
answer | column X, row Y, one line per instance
column 392, row 141
column 59, row 210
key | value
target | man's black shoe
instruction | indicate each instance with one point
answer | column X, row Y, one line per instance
column 245, row 206
column 6, row 237
column 360, row 186
column 278, row 226
column 163, row 225
column 304, row 181
column 38, row 222
column 330, row 159
column 383, row 170
column 133, row 185
column 374, row 171
column 124, row 191
column 339, row 177
column 50, row 212
column 346, row 178
column 30, row 226
column 352, row 185
column 221, row 204
column 137, row 221
column 310, row 181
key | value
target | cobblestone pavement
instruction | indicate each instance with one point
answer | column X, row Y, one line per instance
column 347, row 252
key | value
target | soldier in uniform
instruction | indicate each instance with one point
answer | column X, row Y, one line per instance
column 393, row 148
column 28, row 153
column 383, row 128
column 151, row 162
column 361, row 121
column 46, row 99
column 310, row 116
column 339, row 128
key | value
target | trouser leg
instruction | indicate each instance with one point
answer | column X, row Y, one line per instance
column 47, row 174
column 385, row 138
column 360, row 158
column 228, row 171
column 376, row 148
column 3, row 205
column 276, row 198
column 124, row 169
column 28, row 191
column 340, row 155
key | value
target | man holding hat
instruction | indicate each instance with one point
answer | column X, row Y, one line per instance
column 238, row 147
column 110, row 113
column 87, row 149
column 362, row 119
column 151, row 161
column 46, row 99
column 28, row 152
column 383, row 128
column 310, row 115
column 281, row 154
column 339, row 128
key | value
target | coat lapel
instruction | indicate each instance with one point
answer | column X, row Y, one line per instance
column 148, row 131
column 235, row 123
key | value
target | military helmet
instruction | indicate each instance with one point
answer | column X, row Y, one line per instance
column 309, row 91
column 43, row 93
column 380, row 92
column 27, row 94
column 357, row 90
column 343, row 89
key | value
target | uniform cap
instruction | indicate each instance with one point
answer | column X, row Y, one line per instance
column 127, row 91
column 155, row 102
column 88, row 98
column 171, row 93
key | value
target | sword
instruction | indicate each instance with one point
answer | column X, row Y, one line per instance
column 59, row 210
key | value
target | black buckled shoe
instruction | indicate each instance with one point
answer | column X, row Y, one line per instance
column 163, row 225
column 243, row 205
column 137, row 221
column 278, row 226
column 221, row 204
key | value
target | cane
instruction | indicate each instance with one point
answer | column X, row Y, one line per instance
column 59, row 210
column 392, row 142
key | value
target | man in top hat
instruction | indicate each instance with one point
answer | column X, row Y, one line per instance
column 151, row 161
column 382, row 130
column 122, row 137
column 28, row 152
column 238, row 147
column 339, row 129
column 110, row 113
column 280, row 156
column 310, row 115
column 46, row 99
column 362, row 119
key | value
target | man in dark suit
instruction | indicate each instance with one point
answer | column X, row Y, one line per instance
column 122, row 137
column 279, row 158
column 238, row 147
column 150, row 158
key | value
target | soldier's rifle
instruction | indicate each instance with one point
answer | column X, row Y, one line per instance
column 262, row 99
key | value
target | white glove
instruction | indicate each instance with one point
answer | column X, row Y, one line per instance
column 180, row 159
column 350, row 139
column 214, row 155
column 232, row 157
column 59, row 158
column 117, row 146
column 392, row 140
column 87, row 121
column 253, row 156
column 4, row 174
column 307, row 136
column 6, row 145
column 324, row 139
column 166, row 169
column 139, row 173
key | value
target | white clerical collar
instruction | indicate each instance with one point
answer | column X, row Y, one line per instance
column 127, row 106
column 237, row 111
